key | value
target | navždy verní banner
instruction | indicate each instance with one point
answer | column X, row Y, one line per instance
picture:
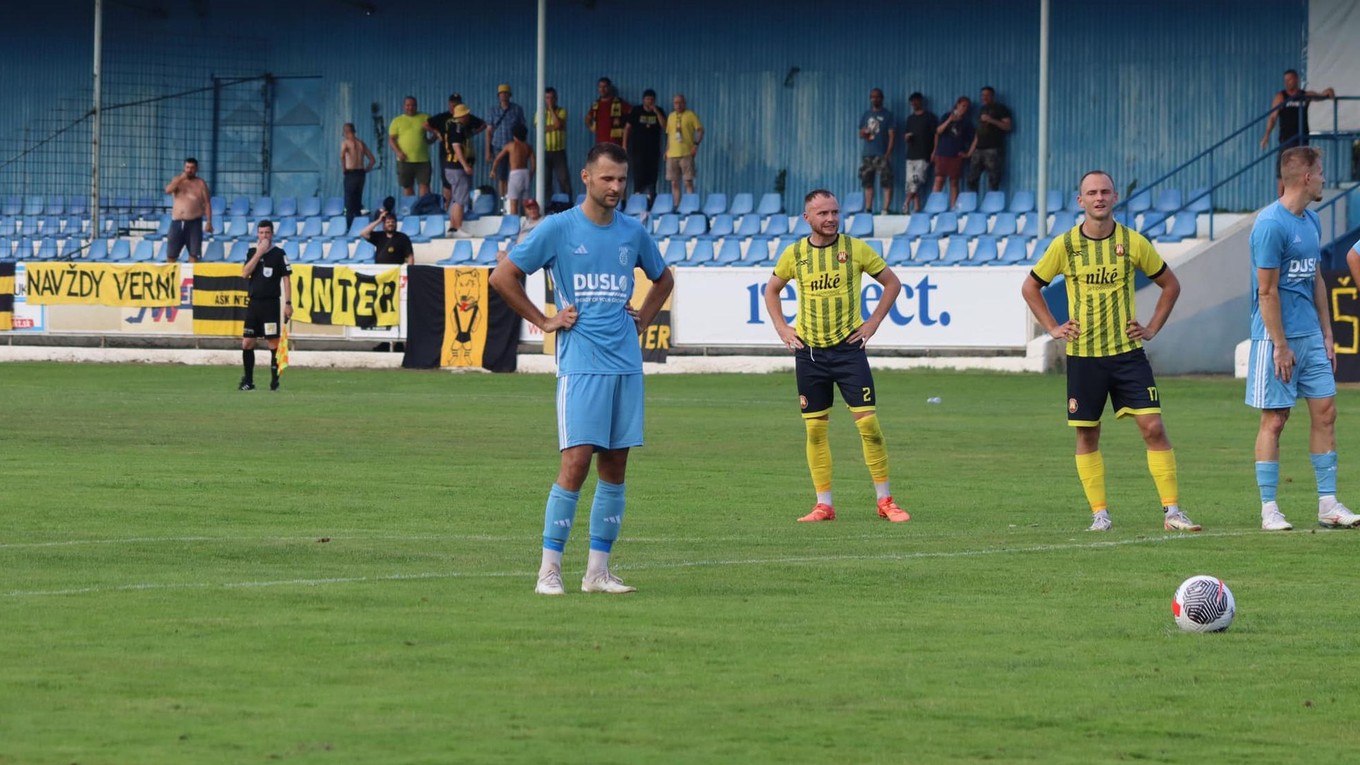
column 340, row 295
column 140, row 285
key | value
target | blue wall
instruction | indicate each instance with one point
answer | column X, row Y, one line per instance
column 1136, row 87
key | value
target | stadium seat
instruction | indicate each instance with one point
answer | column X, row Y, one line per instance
column 486, row 254
column 335, row 228
column 356, row 227
column 722, row 225
column 992, row 202
column 985, row 253
column 79, row 205
column 482, row 206
column 239, row 205
column 636, row 205
column 580, row 199
column 560, row 198
column 801, row 227
column 676, row 252
column 285, row 228
column 946, row 224
column 96, row 252
column 927, row 252
column 749, row 226
column 955, row 253
column 967, row 202
column 689, row 204
column 1055, row 201
column 1003, row 224
column 666, row 226
column 974, row 224
column 1126, row 218
column 853, row 204
column 24, row 248
column 162, row 229
column 311, row 228
column 47, row 249
column 73, row 223
column 937, row 202
column 742, row 204
column 55, row 205
column 408, row 226
column 702, row 254
column 237, row 227
column 777, row 225
column 337, row 251
column 899, row 251
column 693, row 225
column 664, row 204
column 1199, row 200
column 1039, row 248
column 1139, row 201
column 1154, row 224
column 1184, row 227
column 291, row 251
column 262, row 207
column 332, row 206
column 237, row 253
column 49, row 225
column 121, row 251
column 365, row 252
column 715, row 204
column 286, row 207
column 1029, row 228
column 1063, row 220
column 757, row 252
column 314, row 252
column 219, row 207
column 728, row 254
column 12, row 206
column 33, row 205
column 1022, row 202
column 145, row 207
column 508, row 229
column 874, row 244
column 213, row 251
column 861, row 226
column 918, row 225
column 144, row 252
column 1014, row 252
column 772, row 204
column 309, row 207
column 1168, row 201
column 6, row 249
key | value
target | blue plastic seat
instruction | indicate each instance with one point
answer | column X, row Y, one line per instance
column 974, row 224
column 78, row 205
column 486, row 254
column 1003, row 224
column 332, row 206
column 508, row 229
column 861, row 226
column 955, row 253
column 408, row 226
column 722, row 225
column 335, row 228
column 985, row 252
column 121, row 251
column 144, row 252
column 757, row 252
column 664, row 204
column 749, row 226
column 992, row 202
column 239, row 205
column 364, row 252
column 311, row 228
column 580, row 199
column 433, row 227
column 286, row 207
column 1168, row 201
column 918, row 225
column 801, row 227
column 689, row 204
column 162, row 229
column 1199, row 200
column 715, row 204
column 852, row 204
column 33, row 205
column 1139, row 201
column 1022, row 202
column 1055, row 200
column 337, row 251
column 285, row 228
column 729, row 253
column 1015, row 251
column 693, row 225
column 47, row 249
column 676, row 252
column 927, row 252
column 314, row 252
column 219, row 207
column 56, row 205
column 876, row 245
column 13, row 205
column 98, row 251
column 666, row 225
column 482, row 206
column 937, row 202
column 237, row 253
column 145, row 207
column 309, row 207
column 899, row 251
column 1063, row 221
column 1126, row 218
column 742, row 204
column 262, row 207
column 1040, row 247
column 1154, row 224
column 636, row 205
column 772, row 204
column 1184, row 226
column 777, row 225
column 291, row 251
column 946, row 224
column 560, row 198
column 967, row 202
column 214, row 251
column 702, row 254
column 1030, row 227
column 356, row 227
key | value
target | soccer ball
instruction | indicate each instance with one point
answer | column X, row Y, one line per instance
column 1203, row 604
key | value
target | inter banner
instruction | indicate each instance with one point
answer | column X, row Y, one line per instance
column 220, row 299
column 454, row 319
column 655, row 340
column 340, row 295
column 6, row 297
column 139, row 285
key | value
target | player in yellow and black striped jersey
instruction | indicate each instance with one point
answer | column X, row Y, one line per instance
column 828, row 343
column 1105, row 358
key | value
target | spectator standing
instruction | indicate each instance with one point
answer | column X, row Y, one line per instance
column 503, row 118
column 642, row 136
column 877, row 129
column 410, row 143
column 190, row 213
column 989, row 144
column 392, row 247
column 606, row 116
column 555, row 144
column 1290, row 109
column 519, row 157
column 952, row 139
column 438, row 126
column 684, row 133
column 356, row 161
column 919, row 134
column 459, row 157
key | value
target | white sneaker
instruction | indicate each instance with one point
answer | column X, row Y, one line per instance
column 1274, row 520
column 550, row 584
column 1176, row 521
column 1100, row 521
column 1337, row 516
column 605, row 582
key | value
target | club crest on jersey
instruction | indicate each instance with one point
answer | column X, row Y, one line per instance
column 842, row 256
column 1071, row 406
column 1119, row 250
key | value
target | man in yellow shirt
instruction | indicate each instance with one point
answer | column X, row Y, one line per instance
column 684, row 133
column 411, row 145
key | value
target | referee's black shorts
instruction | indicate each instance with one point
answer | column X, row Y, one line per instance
column 262, row 319
column 820, row 369
column 1124, row 379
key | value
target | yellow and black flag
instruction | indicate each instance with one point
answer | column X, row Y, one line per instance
column 656, row 338
column 6, row 297
column 220, row 299
column 454, row 319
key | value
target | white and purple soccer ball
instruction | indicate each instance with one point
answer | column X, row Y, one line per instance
column 1203, row 604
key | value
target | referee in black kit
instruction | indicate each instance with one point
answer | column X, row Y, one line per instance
column 266, row 273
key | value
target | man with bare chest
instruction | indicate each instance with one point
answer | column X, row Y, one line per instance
column 191, row 213
column 356, row 160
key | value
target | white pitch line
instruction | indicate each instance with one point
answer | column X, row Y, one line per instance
column 645, row 567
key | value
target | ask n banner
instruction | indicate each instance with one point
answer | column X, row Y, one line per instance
column 454, row 319
column 341, row 295
column 220, row 299
column 140, row 285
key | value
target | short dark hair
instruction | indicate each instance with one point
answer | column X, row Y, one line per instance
column 519, row 131
column 649, row 92
column 606, row 81
column 989, row 89
column 1090, row 173
column 1294, row 72
column 456, row 97
column 610, row 151
column 879, row 91
column 266, row 223
column 349, row 126
column 550, row 90
column 188, row 160
column 816, row 193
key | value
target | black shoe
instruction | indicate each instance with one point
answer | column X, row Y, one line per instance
column 246, row 385
column 274, row 384
column 382, row 347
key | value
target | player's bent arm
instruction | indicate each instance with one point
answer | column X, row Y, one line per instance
column 1353, row 264
column 1171, row 291
column 506, row 279
column 1323, row 311
column 892, row 287
column 1268, row 297
column 656, row 297
column 1032, row 292
column 787, row 335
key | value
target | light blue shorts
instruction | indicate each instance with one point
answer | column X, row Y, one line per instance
column 604, row 411
column 1312, row 378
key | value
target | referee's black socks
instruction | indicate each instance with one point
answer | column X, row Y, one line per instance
column 248, row 362
column 273, row 365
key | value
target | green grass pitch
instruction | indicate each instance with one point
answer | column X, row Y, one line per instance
column 342, row 572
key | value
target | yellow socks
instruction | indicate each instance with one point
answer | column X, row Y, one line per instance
column 819, row 455
column 1091, row 471
column 1162, row 466
column 875, row 451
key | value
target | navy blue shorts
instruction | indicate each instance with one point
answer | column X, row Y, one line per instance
column 1125, row 380
column 821, row 370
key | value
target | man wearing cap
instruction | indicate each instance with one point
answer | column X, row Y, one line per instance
column 502, row 118
column 439, row 125
column 642, row 138
column 919, row 133
column 458, row 159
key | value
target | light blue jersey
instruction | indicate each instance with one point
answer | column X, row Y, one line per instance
column 592, row 269
column 1290, row 243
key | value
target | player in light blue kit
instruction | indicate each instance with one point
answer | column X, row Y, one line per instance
column 591, row 252
column 1292, row 354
